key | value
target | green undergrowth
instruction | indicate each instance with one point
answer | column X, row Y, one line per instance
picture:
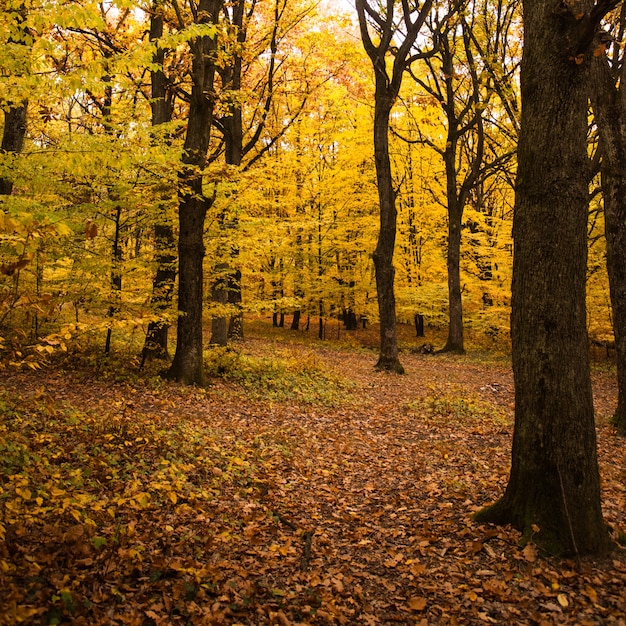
column 282, row 375
column 457, row 406
column 105, row 495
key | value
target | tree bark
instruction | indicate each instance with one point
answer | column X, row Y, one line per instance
column 609, row 106
column 553, row 494
column 455, row 342
column 227, row 288
column 12, row 139
column 401, row 31
column 14, row 130
column 187, row 366
column 388, row 359
column 164, row 241
column 116, row 274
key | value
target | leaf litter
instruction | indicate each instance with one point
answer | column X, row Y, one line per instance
column 149, row 504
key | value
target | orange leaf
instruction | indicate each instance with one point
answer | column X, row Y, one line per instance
column 530, row 552
column 417, row 604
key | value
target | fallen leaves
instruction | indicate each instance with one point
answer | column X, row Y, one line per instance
column 417, row 604
column 204, row 507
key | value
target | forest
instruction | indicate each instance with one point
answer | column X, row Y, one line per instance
column 312, row 312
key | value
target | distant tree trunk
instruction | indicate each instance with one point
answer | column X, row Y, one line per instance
column 116, row 275
column 349, row 319
column 320, row 328
column 187, row 366
column 116, row 247
column 463, row 119
column 227, row 288
column 385, row 24
column 295, row 322
column 13, row 139
column 219, row 295
column 235, row 323
column 609, row 108
column 14, row 129
column 553, row 494
column 419, row 325
column 163, row 285
column 455, row 341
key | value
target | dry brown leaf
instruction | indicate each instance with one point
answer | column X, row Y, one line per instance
column 530, row 552
column 417, row 603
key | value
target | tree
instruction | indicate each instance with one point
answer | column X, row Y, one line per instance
column 161, row 112
column 457, row 88
column 381, row 36
column 609, row 109
column 227, row 288
column 17, row 50
column 553, row 493
column 251, row 126
column 464, row 85
column 187, row 366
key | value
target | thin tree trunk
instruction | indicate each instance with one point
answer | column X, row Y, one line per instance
column 553, row 494
column 13, row 139
column 227, row 288
column 116, row 275
column 163, row 285
column 454, row 342
column 219, row 295
column 383, row 255
column 609, row 107
column 14, row 130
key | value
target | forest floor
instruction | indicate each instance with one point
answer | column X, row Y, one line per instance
column 344, row 497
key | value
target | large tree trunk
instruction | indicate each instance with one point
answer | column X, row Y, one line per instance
column 163, row 285
column 553, row 494
column 609, row 107
column 383, row 255
column 187, row 366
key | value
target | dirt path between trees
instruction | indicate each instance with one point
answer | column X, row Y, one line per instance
column 254, row 511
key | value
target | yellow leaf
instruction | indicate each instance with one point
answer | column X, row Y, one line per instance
column 173, row 497
column 417, row 604
column 473, row 596
column 142, row 499
column 562, row 599
column 24, row 493
column 591, row 593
